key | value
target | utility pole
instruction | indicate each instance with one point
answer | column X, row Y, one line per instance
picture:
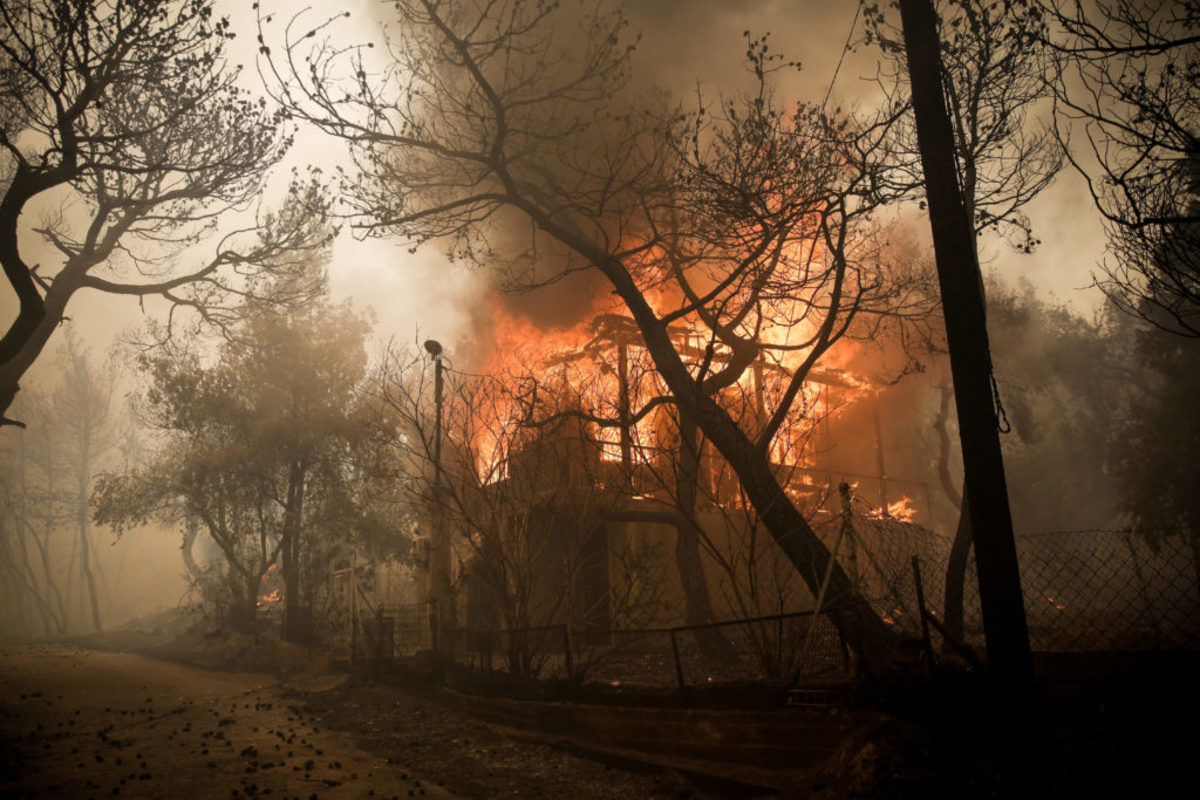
column 439, row 551
column 1009, row 659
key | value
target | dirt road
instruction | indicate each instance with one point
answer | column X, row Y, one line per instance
column 78, row 723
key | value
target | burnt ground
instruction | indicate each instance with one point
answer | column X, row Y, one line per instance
column 78, row 722
column 229, row 717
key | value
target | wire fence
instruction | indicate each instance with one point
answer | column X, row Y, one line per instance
column 783, row 648
column 1108, row 590
column 1085, row 591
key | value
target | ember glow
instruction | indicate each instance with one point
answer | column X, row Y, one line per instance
column 271, row 598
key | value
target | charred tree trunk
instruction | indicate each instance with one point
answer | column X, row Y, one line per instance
column 37, row 318
column 1009, row 656
column 956, row 574
column 244, row 613
column 295, row 627
column 939, row 425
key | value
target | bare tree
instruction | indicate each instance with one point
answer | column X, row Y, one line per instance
column 994, row 71
column 33, row 504
column 1130, row 119
column 122, row 118
column 81, row 411
column 49, row 475
column 742, row 221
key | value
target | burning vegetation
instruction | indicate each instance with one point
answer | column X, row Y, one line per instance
column 702, row 430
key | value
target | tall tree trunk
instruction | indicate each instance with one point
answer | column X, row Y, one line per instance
column 53, row 590
column 253, row 585
column 244, row 612
column 63, row 598
column 294, row 629
column 85, row 540
column 29, row 595
column 85, row 564
column 963, row 306
column 696, row 598
column 41, row 595
column 956, row 574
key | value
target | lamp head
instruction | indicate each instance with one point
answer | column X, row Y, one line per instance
column 433, row 347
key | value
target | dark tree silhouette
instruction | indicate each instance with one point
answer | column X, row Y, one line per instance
column 1129, row 103
column 993, row 70
column 124, row 116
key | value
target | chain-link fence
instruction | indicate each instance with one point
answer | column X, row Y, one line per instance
column 1085, row 591
column 1108, row 590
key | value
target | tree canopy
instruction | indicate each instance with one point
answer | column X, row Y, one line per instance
column 272, row 448
column 125, row 129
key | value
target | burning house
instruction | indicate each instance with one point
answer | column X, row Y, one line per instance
column 587, row 502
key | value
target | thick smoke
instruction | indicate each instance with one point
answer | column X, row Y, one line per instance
column 687, row 53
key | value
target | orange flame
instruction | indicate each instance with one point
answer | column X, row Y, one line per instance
column 902, row 510
column 591, row 364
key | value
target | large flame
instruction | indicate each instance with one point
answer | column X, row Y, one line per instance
column 590, row 366
column 600, row 367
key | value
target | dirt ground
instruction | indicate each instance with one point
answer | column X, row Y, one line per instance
column 218, row 716
column 78, row 723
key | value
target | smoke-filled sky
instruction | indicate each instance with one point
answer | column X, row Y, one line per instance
column 687, row 46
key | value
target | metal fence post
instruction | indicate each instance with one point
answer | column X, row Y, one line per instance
column 678, row 668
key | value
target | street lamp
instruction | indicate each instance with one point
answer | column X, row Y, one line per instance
column 439, row 561
column 434, row 348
